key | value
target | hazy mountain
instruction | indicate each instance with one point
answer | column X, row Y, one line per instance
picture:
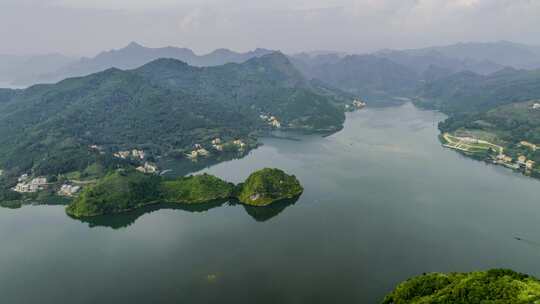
column 163, row 106
column 468, row 92
column 422, row 61
column 135, row 55
column 503, row 53
column 15, row 69
column 372, row 77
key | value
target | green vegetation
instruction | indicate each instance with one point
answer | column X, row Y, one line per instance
column 267, row 186
column 196, row 189
column 163, row 108
column 507, row 125
column 126, row 190
column 467, row 92
column 497, row 110
column 119, row 191
column 373, row 77
column 489, row 287
column 470, row 145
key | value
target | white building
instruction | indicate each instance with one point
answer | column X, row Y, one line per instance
column 122, row 154
column 359, row 103
column 147, row 168
column 23, row 178
column 34, row 185
column 239, row 143
column 68, row 190
column 138, row 154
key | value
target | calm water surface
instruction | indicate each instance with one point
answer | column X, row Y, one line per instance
column 382, row 202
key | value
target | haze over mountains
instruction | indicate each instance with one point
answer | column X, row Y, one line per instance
column 418, row 64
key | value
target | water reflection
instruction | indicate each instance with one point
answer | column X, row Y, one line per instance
column 47, row 200
column 263, row 214
column 180, row 167
column 123, row 220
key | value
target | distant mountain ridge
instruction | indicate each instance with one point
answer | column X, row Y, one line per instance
column 467, row 92
column 133, row 56
column 394, row 74
column 520, row 56
column 381, row 76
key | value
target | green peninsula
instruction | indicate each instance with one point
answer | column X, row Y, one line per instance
column 125, row 190
column 493, row 286
column 267, row 186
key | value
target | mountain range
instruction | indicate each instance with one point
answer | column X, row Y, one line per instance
column 408, row 69
column 165, row 106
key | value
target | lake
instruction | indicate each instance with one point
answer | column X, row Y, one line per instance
column 383, row 201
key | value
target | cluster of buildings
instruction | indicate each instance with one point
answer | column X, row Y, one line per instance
column 271, row 120
column 147, row 168
column 68, row 190
column 240, row 144
column 198, row 151
column 525, row 163
column 528, row 145
column 521, row 163
column 97, row 148
column 137, row 154
column 27, row 185
column 217, row 145
column 359, row 104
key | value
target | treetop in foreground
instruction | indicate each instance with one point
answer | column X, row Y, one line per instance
column 488, row 287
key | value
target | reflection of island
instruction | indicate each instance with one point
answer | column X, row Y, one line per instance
column 46, row 199
column 263, row 214
column 123, row 220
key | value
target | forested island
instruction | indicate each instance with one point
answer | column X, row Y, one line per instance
column 126, row 190
column 493, row 286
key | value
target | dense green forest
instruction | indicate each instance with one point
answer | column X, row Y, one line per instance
column 126, row 189
column 164, row 108
column 493, row 286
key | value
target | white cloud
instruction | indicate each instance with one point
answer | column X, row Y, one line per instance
column 290, row 25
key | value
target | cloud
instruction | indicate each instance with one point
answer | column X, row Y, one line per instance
column 88, row 26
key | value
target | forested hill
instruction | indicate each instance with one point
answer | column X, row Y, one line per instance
column 163, row 106
column 469, row 92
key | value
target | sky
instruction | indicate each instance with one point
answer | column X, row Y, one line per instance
column 86, row 27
